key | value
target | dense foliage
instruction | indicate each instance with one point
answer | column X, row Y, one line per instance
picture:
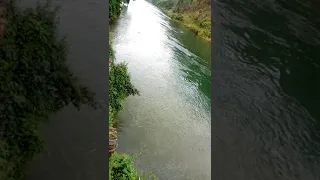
column 35, row 82
column 120, row 87
column 114, row 9
column 121, row 168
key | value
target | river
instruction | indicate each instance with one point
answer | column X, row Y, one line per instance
column 171, row 119
column 266, row 79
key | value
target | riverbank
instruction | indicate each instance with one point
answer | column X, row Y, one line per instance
column 201, row 28
column 120, row 87
column 195, row 15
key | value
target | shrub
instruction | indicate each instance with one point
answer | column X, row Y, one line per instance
column 114, row 9
column 35, row 82
column 120, row 87
column 121, row 167
column 176, row 16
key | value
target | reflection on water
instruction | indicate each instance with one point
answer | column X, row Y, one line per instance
column 171, row 118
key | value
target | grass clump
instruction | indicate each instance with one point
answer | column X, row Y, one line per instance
column 35, row 82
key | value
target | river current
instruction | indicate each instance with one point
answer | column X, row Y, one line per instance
column 171, row 119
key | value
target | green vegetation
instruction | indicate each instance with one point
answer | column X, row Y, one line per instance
column 35, row 82
column 122, row 168
column 120, row 87
column 195, row 14
column 114, row 9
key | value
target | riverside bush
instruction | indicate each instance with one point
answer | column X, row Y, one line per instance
column 177, row 16
column 35, row 82
column 121, row 167
column 120, row 87
column 114, row 9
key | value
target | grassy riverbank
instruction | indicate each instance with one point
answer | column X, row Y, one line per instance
column 189, row 19
column 195, row 15
column 35, row 83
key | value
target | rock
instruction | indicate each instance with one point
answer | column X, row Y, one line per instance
column 112, row 140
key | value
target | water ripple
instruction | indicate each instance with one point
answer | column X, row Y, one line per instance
column 267, row 83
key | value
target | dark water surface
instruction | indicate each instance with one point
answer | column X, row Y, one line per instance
column 76, row 142
column 171, row 119
column 266, row 79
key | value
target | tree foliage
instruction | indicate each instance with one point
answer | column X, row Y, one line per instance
column 35, row 82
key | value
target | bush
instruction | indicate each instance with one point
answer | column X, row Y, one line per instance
column 177, row 17
column 114, row 9
column 120, row 87
column 35, row 82
column 121, row 168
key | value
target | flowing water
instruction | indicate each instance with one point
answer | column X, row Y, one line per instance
column 171, row 119
column 266, row 79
